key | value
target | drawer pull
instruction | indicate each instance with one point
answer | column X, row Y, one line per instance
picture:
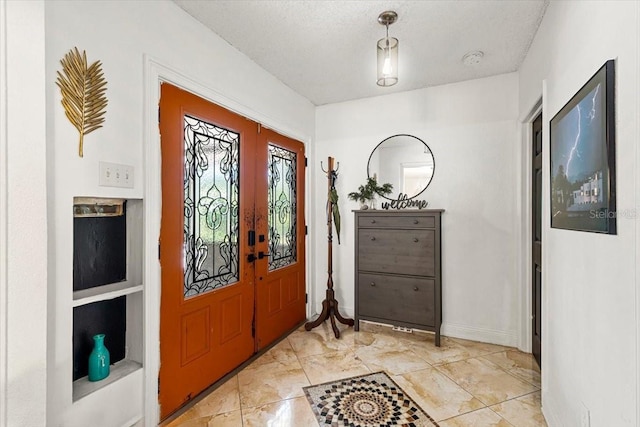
column 415, row 288
column 415, row 239
column 373, row 238
column 373, row 283
column 415, row 221
column 373, row 221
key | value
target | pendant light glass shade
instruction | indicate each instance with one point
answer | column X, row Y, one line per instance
column 387, row 61
column 387, row 52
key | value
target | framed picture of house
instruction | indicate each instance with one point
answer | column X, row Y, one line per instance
column 583, row 172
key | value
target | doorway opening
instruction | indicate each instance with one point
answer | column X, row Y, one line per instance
column 536, row 238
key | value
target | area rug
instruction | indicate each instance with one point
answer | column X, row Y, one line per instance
column 372, row 400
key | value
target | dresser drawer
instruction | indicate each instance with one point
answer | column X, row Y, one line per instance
column 382, row 221
column 400, row 252
column 404, row 299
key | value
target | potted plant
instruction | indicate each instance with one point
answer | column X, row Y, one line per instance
column 367, row 193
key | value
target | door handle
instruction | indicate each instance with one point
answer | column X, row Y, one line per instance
column 251, row 257
column 262, row 255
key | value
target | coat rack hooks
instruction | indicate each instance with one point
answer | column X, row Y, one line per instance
column 326, row 171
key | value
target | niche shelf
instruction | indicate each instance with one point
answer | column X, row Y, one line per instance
column 105, row 292
column 83, row 387
column 107, row 288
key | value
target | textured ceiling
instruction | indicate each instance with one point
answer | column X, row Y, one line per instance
column 326, row 50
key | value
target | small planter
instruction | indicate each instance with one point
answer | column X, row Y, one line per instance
column 366, row 194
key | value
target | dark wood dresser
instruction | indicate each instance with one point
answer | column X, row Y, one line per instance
column 398, row 269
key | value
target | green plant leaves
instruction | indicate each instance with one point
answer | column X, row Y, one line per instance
column 370, row 190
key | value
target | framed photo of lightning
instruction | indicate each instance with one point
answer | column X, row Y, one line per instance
column 583, row 160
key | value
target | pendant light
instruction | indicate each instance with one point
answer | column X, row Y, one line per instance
column 387, row 52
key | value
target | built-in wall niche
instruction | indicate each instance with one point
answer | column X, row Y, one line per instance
column 102, row 317
column 107, row 287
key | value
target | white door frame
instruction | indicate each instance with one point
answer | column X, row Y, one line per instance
column 524, row 232
column 3, row 213
column 156, row 73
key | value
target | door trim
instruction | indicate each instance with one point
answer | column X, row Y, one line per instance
column 3, row 216
column 524, row 228
column 155, row 73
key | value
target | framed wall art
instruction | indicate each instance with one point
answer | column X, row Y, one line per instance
column 583, row 172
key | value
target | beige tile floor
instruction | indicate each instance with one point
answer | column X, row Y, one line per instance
column 461, row 383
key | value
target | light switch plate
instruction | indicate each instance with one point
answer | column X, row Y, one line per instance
column 115, row 175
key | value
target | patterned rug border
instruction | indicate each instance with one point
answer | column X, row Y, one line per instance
column 312, row 404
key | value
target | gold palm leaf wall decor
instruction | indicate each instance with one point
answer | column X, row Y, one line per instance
column 83, row 93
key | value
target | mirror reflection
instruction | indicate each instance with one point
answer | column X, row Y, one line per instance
column 404, row 161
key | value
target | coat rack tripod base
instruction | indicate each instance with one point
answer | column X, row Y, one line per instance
column 330, row 304
column 330, row 311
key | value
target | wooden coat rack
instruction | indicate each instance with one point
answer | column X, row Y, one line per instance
column 330, row 304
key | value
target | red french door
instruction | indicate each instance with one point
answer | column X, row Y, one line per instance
column 231, row 242
column 280, row 271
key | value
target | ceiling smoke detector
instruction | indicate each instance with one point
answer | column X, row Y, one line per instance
column 473, row 58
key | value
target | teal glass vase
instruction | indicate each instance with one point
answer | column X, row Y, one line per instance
column 99, row 359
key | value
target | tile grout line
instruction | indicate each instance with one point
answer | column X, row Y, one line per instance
column 298, row 359
column 243, row 406
column 460, row 385
column 476, row 410
column 508, row 371
column 512, row 399
column 478, row 398
column 501, row 417
column 240, row 398
column 435, row 367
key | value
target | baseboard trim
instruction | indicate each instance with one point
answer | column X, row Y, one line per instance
column 492, row 336
column 473, row 333
column 137, row 421
column 550, row 413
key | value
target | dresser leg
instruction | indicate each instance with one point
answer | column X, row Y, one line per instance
column 438, row 338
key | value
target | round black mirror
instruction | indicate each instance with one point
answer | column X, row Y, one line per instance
column 404, row 161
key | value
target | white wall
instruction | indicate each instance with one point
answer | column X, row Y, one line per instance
column 24, row 246
column 471, row 129
column 590, row 281
column 3, row 213
column 120, row 34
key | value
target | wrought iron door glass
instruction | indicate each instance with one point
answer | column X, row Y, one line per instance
column 282, row 207
column 211, row 207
